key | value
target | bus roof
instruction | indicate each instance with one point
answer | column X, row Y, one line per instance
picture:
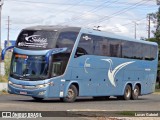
column 88, row 31
column 53, row 28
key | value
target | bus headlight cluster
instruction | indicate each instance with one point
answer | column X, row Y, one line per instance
column 10, row 83
column 42, row 93
column 44, row 85
column 41, row 86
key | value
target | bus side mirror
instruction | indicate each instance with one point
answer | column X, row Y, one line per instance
column 4, row 51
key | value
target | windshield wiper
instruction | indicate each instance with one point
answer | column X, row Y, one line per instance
column 36, row 77
column 18, row 75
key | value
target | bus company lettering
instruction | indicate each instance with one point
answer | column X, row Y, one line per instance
column 35, row 38
column 86, row 38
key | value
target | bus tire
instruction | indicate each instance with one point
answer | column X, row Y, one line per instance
column 127, row 93
column 135, row 93
column 71, row 94
column 37, row 99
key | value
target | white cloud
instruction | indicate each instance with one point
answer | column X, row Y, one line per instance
column 121, row 28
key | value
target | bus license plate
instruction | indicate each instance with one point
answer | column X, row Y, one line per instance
column 23, row 93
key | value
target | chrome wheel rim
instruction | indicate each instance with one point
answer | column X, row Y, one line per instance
column 136, row 92
column 70, row 93
column 128, row 93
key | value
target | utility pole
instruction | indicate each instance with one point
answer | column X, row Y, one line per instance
column 135, row 29
column 1, row 64
column 149, row 25
column 1, row 3
column 8, row 29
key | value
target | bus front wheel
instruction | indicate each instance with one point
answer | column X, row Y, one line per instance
column 71, row 94
column 135, row 92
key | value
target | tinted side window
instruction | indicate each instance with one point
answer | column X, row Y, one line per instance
column 104, row 47
column 146, row 52
column 66, row 39
column 153, row 52
column 97, row 43
column 115, row 48
column 111, row 47
column 127, row 49
column 137, row 51
column 85, row 45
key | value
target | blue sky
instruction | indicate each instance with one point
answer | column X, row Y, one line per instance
column 116, row 16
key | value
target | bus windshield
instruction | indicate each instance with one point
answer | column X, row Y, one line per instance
column 34, row 67
column 29, row 67
column 43, row 40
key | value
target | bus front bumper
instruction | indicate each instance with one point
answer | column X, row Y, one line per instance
column 40, row 92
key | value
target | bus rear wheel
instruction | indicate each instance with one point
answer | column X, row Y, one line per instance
column 135, row 93
column 71, row 94
column 127, row 93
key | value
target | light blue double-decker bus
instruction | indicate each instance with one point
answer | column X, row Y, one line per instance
column 67, row 62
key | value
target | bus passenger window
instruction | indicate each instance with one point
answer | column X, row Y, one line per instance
column 80, row 52
column 146, row 52
column 85, row 45
column 115, row 48
column 153, row 52
column 66, row 39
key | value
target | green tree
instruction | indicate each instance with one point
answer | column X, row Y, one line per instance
column 156, row 17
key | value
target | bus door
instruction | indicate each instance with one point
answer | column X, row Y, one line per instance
column 85, row 71
column 57, row 68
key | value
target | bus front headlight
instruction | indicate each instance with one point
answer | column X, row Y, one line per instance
column 44, row 85
column 10, row 83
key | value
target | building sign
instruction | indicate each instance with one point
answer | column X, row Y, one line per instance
column 11, row 43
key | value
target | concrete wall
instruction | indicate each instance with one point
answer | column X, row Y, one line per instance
column 3, row 86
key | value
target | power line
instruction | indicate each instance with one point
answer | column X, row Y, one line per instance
column 119, row 12
column 58, row 3
column 70, row 7
column 115, row 14
column 66, row 10
column 91, row 11
column 129, row 23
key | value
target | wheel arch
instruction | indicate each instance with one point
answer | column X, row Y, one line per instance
column 75, row 83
